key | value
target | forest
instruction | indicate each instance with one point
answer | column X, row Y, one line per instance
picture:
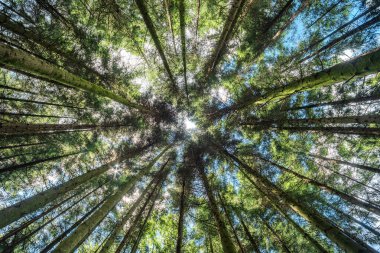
column 211, row 126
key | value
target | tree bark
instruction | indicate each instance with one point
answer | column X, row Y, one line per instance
column 355, row 165
column 316, row 219
column 16, row 167
column 253, row 242
column 181, row 216
column 277, row 236
column 33, row 203
column 30, row 129
column 363, row 65
column 71, row 242
column 227, row 244
column 369, row 206
column 363, row 131
column 39, row 102
column 149, row 24
column 223, row 204
column 17, row 60
column 360, row 119
column 338, row 103
column 181, row 7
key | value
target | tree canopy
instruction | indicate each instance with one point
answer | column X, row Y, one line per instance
column 190, row 126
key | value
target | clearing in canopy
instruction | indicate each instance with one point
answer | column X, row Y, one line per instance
column 211, row 126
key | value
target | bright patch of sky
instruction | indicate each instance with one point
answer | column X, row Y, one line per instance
column 189, row 125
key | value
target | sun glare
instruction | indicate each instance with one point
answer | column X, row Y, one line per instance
column 190, row 125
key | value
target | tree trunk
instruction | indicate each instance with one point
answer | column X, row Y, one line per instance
column 16, row 167
column 354, row 165
column 136, row 244
column 33, row 203
column 339, row 103
column 119, row 226
column 363, row 65
column 361, row 119
column 71, row 242
column 369, row 206
column 352, row 32
column 316, row 219
column 223, row 204
column 278, row 238
column 228, row 27
column 227, row 244
column 325, row 13
column 181, row 216
column 363, row 131
column 23, row 145
column 19, row 90
column 36, row 37
column 249, row 235
column 169, row 17
column 161, row 175
column 39, row 102
column 149, row 24
column 181, row 7
column 17, row 60
column 30, row 129
column 24, row 114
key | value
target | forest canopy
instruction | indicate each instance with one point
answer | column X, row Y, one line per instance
column 190, row 126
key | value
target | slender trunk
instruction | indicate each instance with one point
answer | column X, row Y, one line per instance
column 197, row 23
column 181, row 216
column 228, row 27
column 369, row 206
column 16, row 167
column 316, row 219
column 308, row 237
column 278, row 34
column 23, row 145
column 227, row 244
column 253, row 242
column 350, row 33
column 181, row 7
column 363, row 131
column 19, row 240
column 71, row 242
column 39, row 102
column 36, row 37
column 222, row 202
column 354, row 165
column 139, row 236
column 211, row 246
column 325, row 13
column 149, row 24
column 33, row 203
column 71, row 228
column 12, row 114
column 169, row 17
column 111, row 238
column 17, row 60
column 363, row 65
column 360, row 119
column 277, row 236
column 155, row 193
column 338, row 103
column 30, row 129
column 19, row 90
column 26, row 224
column 364, row 225
column 312, row 45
